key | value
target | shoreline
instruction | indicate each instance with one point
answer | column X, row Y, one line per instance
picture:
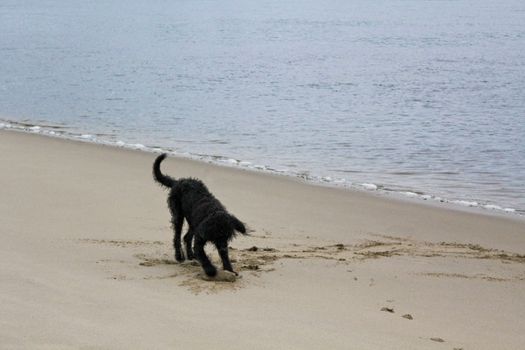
column 87, row 261
column 373, row 189
column 357, row 194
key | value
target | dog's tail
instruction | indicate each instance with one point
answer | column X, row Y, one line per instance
column 158, row 176
column 237, row 225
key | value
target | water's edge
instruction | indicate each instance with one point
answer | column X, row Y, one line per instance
column 63, row 133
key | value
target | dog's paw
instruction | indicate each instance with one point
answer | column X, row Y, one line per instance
column 180, row 257
column 221, row 276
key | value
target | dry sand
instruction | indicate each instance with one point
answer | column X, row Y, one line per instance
column 87, row 262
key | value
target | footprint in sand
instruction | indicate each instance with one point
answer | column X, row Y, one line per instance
column 437, row 340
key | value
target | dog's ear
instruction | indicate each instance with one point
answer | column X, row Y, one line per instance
column 237, row 224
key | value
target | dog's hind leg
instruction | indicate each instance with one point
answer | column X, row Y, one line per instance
column 203, row 258
column 188, row 239
column 177, row 221
column 222, row 248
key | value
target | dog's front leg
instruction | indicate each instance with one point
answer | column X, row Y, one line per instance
column 222, row 248
column 203, row 258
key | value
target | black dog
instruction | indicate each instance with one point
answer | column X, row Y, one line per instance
column 207, row 219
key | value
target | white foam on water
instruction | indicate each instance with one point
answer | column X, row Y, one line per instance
column 369, row 186
column 87, row 137
column 231, row 161
column 465, row 203
column 492, row 207
column 410, row 194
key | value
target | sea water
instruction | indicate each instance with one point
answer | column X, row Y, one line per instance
column 425, row 98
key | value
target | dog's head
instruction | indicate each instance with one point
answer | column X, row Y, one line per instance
column 221, row 226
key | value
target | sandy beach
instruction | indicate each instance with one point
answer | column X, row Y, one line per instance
column 87, row 262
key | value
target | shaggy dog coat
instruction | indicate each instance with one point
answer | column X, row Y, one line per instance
column 207, row 218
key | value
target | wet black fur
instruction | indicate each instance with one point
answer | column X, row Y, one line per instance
column 207, row 218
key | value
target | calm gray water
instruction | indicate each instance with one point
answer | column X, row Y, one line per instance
column 419, row 96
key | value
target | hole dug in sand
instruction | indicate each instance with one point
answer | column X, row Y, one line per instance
column 221, row 276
